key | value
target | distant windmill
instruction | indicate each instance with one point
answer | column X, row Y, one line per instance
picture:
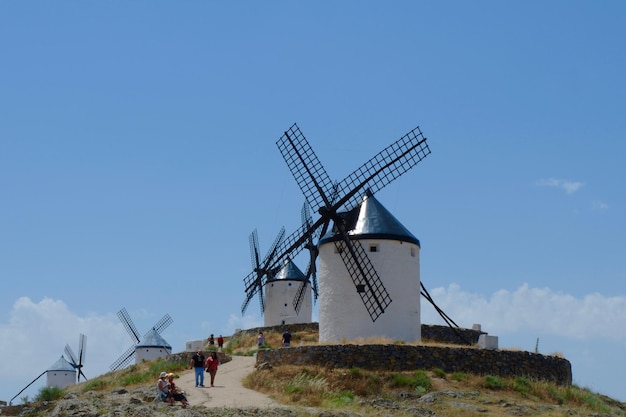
column 283, row 284
column 262, row 270
column 153, row 335
column 63, row 372
column 78, row 361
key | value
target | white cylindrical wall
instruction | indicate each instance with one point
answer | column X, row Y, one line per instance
column 150, row 353
column 342, row 313
column 60, row 379
column 279, row 308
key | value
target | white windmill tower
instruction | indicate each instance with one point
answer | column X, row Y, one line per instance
column 394, row 255
column 281, row 295
column 151, row 346
column 285, row 293
column 60, row 374
column 63, row 372
column 340, row 203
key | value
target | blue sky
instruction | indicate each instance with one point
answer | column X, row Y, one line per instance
column 137, row 153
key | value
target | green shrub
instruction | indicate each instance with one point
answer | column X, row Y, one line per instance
column 340, row 398
column 50, row 394
column 418, row 379
column 440, row 373
column 557, row 395
column 493, row 382
column 421, row 379
column 459, row 376
column 94, row 385
column 522, row 385
column 400, row 380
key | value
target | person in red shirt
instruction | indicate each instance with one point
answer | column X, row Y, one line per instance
column 211, row 365
column 220, row 343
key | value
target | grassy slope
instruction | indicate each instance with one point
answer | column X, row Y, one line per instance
column 368, row 393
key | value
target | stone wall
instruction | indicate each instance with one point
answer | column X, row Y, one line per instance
column 403, row 357
column 446, row 334
column 293, row 328
column 408, row 357
column 431, row 333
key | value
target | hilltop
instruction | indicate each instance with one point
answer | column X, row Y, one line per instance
column 242, row 390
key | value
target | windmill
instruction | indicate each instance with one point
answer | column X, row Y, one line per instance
column 263, row 273
column 78, row 361
column 334, row 202
column 152, row 334
column 63, row 372
column 261, row 270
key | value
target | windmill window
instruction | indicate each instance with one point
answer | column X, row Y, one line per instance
column 285, row 304
column 373, row 248
column 413, row 252
column 289, row 284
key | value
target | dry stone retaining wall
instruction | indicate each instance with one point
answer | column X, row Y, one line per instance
column 408, row 357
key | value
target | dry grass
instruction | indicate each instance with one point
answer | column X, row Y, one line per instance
column 134, row 376
column 397, row 394
column 363, row 391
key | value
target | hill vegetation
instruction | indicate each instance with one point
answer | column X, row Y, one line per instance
column 322, row 391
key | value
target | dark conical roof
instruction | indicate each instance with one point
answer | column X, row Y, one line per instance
column 153, row 339
column 290, row 271
column 371, row 220
column 62, row 365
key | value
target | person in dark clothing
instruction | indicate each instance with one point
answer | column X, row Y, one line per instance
column 286, row 338
column 197, row 363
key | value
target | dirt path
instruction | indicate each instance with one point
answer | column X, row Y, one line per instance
column 228, row 390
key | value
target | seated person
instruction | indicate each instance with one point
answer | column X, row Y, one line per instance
column 175, row 393
column 163, row 389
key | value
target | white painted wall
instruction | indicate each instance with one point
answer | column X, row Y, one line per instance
column 60, row 379
column 150, row 353
column 194, row 345
column 279, row 295
column 342, row 314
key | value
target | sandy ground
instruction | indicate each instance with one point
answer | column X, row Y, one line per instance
column 228, row 391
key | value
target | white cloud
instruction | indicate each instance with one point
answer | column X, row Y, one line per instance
column 588, row 330
column 236, row 322
column 35, row 337
column 538, row 310
column 570, row 187
column 599, row 205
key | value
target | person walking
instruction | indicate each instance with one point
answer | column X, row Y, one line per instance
column 220, row 343
column 286, row 338
column 211, row 365
column 260, row 340
column 197, row 363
